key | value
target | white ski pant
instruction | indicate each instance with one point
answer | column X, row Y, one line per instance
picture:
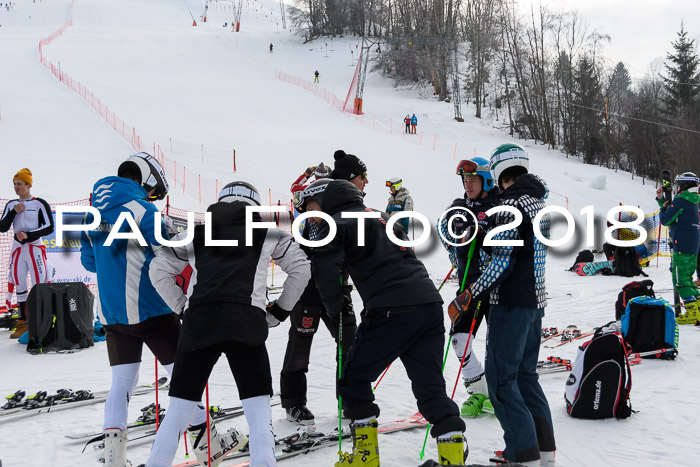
column 26, row 260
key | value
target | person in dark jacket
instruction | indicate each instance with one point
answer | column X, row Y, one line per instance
column 681, row 216
column 224, row 311
column 515, row 281
column 305, row 320
column 351, row 168
column 480, row 195
column 402, row 318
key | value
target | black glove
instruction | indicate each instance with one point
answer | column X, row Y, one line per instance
column 277, row 311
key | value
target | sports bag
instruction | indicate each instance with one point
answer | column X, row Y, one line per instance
column 60, row 317
column 599, row 384
column 630, row 291
column 649, row 324
column 626, row 262
column 583, row 256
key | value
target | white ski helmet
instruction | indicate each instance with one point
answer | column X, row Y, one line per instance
column 152, row 174
column 240, row 191
column 509, row 157
column 395, row 182
column 686, row 181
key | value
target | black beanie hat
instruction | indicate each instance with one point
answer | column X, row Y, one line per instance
column 347, row 166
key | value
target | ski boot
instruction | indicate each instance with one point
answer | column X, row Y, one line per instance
column 300, row 414
column 451, row 450
column 691, row 311
column 472, row 407
column 365, row 450
column 226, row 443
column 487, row 407
column 548, row 458
column 115, row 448
column 498, row 459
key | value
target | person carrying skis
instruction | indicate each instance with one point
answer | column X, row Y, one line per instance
column 516, row 283
column 224, row 311
column 407, row 121
column 133, row 312
column 681, row 216
column 305, row 320
column 480, row 195
column 403, row 318
column 349, row 167
column 414, row 123
column 30, row 219
column 399, row 200
column 316, row 75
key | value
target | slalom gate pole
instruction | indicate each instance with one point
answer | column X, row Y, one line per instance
column 449, row 341
column 448, row 346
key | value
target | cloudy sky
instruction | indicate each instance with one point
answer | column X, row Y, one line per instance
column 641, row 30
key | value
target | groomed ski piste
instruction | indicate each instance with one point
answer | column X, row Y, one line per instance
column 208, row 85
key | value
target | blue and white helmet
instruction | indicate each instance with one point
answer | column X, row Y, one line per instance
column 509, row 156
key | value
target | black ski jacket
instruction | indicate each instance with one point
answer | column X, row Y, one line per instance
column 385, row 275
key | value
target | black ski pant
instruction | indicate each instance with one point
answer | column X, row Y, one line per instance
column 304, row 322
column 250, row 367
column 416, row 335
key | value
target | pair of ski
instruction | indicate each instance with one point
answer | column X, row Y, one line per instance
column 215, row 413
column 570, row 334
column 64, row 399
column 303, row 442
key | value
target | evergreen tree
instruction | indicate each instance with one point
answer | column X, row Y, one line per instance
column 682, row 85
column 588, row 99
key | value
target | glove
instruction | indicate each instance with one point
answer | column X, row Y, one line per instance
column 310, row 171
column 275, row 314
column 459, row 306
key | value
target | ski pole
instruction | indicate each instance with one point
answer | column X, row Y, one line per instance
column 449, row 341
column 157, row 406
column 206, row 390
column 340, row 370
column 381, row 377
column 446, row 277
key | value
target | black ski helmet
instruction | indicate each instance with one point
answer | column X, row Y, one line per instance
column 313, row 192
column 152, row 174
column 240, row 191
column 686, row 180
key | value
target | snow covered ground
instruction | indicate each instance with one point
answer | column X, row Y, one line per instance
column 207, row 85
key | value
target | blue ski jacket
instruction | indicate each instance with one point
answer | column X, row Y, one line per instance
column 681, row 217
column 126, row 293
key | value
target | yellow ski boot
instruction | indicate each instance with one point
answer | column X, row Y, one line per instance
column 365, row 446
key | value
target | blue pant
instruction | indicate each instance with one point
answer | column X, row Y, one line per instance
column 512, row 351
column 416, row 335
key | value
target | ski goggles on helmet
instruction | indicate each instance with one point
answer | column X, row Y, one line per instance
column 470, row 168
column 394, row 183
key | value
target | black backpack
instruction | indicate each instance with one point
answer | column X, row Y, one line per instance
column 600, row 383
column 60, row 317
column 584, row 256
column 649, row 325
column 630, row 291
column 626, row 262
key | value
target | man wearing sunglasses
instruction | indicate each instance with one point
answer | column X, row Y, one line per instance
column 349, row 167
column 480, row 195
column 399, row 200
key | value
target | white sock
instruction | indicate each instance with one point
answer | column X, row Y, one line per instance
column 472, row 366
column 262, row 436
column 200, row 416
column 124, row 379
column 180, row 413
